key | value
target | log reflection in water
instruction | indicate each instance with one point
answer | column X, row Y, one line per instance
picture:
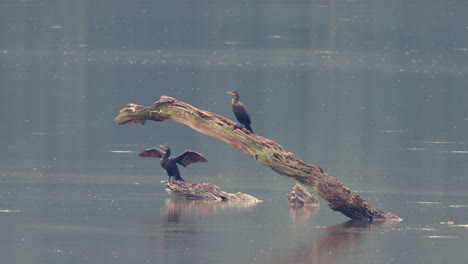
column 182, row 225
column 301, row 216
column 327, row 248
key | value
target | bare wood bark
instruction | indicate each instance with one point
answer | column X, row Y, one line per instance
column 206, row 191
column 301, row 197
column 263, row 150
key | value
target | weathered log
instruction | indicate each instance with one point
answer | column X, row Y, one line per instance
column 265, row 151
column 206, row 191
column 300, row 197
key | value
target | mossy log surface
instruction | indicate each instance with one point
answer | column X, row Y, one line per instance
column 263, row 150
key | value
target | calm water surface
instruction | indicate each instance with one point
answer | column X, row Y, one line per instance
column 372, row 91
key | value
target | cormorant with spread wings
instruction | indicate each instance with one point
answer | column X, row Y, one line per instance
column 169, row 163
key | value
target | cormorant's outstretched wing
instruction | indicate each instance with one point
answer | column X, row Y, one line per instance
column 189, row 157
column 152, row 153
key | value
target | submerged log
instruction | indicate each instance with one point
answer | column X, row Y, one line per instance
column 263, row 150
column 206, row 191
column 300, row 197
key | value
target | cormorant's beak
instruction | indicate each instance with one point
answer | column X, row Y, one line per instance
column 163, row 147
column 231, row 93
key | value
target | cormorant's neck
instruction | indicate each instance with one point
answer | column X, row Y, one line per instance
column 235, row 99
column 168, row 153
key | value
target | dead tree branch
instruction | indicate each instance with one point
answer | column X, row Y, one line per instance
column 263, row 150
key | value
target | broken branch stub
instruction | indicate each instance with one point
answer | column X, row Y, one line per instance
column 300, row 197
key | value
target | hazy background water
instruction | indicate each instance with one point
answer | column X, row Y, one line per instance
column 372, row 91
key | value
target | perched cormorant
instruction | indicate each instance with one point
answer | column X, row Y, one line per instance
column 240, row 111
column 169, row 163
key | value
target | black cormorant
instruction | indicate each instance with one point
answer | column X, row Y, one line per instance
column 240, row 111
column 169, row 163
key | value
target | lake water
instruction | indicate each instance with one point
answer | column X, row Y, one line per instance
column 372, row 91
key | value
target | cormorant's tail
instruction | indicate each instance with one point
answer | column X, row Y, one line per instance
column 249, row 128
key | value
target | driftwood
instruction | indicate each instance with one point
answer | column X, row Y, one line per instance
column 263, row 150
column 206, row 191
column 300, row 197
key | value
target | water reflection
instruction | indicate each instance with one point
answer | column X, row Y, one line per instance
column 328, row 247
column 301, row 216
column 184, row 227
column 191, row 208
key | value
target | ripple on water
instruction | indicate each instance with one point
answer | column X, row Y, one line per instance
column 444, row 142
column 9, row 211
column 450, row 237
column 414, row 149
column 421, row 228
column 458, row 206
column 122, row 151
column 391, row 131
column 456, row 151
column 422, row 202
